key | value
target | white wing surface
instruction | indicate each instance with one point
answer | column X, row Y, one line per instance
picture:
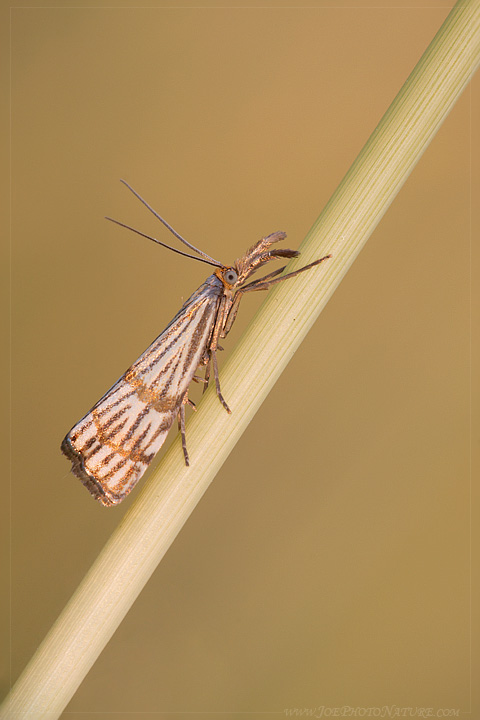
column 112, row 446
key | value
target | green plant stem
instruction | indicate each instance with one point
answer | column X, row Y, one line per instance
column 148, row 529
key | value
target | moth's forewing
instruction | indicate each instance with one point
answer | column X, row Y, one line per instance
column 112, row 446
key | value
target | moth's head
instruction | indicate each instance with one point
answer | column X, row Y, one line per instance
column 259, row 254
column 228, row 276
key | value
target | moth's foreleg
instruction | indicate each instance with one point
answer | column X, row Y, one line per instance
column 232, row 314
column 217, row 380
column 211, row 355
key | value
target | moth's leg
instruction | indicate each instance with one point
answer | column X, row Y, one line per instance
column 181, row 427
column 219, row 324
column 212, row 349
column 217, row 381
column 186, row 401
column 232, row 314
column 198, row 379
column 206, row 379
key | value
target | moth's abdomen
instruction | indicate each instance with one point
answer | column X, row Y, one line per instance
column 112, row 446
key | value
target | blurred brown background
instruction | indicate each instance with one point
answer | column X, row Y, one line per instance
column 330, row 564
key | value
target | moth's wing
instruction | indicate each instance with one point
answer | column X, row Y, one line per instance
column 112, row 446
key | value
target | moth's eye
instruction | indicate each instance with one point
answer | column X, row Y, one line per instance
column 231, row 277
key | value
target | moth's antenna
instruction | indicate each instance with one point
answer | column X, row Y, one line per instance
column 192, row 247
column 149, row 237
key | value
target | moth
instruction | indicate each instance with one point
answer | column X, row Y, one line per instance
column 112, row 446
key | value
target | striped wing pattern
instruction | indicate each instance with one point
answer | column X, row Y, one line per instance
column 112, row 446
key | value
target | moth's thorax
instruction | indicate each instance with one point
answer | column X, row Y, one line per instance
column 214, row 281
